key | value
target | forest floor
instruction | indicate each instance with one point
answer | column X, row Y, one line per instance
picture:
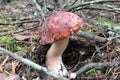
column 20, row 23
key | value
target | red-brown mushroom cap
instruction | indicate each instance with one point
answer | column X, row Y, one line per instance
column 60, row 25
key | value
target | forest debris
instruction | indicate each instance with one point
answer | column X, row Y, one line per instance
column 21, row 37
column 30, row 63
column 97, row 66
column 10, row 77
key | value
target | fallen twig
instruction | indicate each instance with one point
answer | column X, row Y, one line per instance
column 21, row 22
column 98, row 8
column 109, row 28
column 39, row 8
column 92, row 36
column 22, row 30
column 30, row 63
column 97, row 66
column 90, row 2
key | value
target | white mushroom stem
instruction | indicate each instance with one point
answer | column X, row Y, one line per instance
column 54, row 57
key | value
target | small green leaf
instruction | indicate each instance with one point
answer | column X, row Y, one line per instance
column 6, row 39
column 91, row 73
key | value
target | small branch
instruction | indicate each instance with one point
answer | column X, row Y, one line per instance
column 21, row 22
column 97, row 66
column 95, row 37
column 109, row 28
column 37, row 5
column 22, row 30
column 91, row 36
column 39, row 8
column 91, row 2
column 98, row 8
column 30, row 63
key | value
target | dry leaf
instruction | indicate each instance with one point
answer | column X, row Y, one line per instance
column 11, row 77
column 21, row 37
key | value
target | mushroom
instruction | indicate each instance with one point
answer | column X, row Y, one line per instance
column 56, row 29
